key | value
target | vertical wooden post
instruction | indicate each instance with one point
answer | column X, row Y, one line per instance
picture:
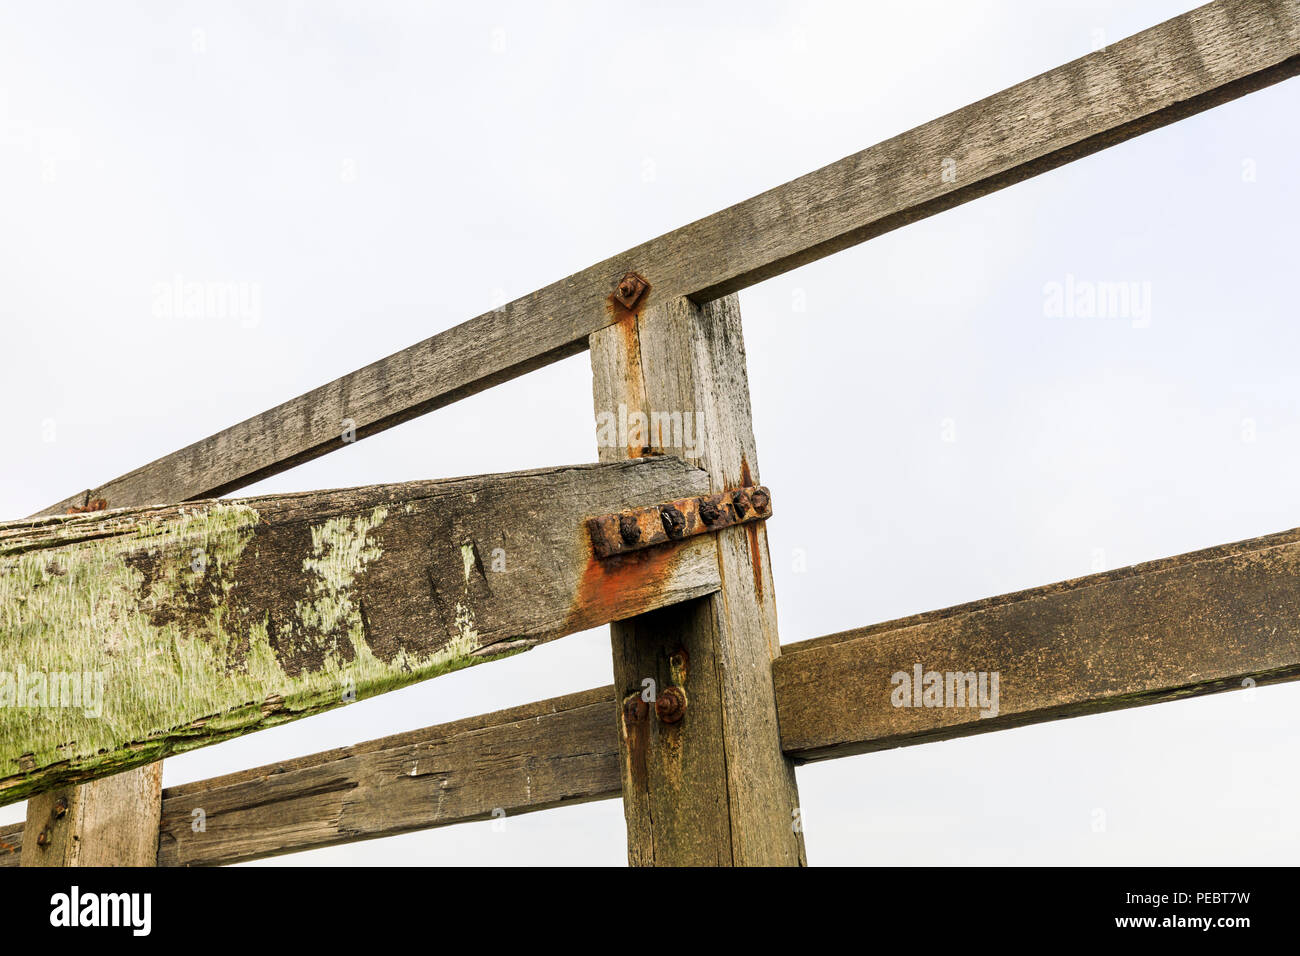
column 714, row 787
column 108, row 822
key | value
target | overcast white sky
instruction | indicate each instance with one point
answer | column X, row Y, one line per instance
column 378, row 172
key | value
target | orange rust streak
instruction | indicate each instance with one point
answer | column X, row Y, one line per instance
column 605, row 584
column 636, row 731
column 625, row 321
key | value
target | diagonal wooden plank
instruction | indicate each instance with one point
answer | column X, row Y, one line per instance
column 129, row 635
column 1208, row 621
column 1208, row 56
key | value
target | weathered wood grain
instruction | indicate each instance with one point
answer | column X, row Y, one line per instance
column 11, row 844
column 496, row 766
column 1208, row 621
column 109, row 822
column 714, row 787
column 1208, row 56
column 180, row 626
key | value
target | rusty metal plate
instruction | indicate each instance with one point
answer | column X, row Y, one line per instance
column 638, row 528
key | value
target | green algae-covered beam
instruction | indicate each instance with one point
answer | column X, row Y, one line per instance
column 132, row 634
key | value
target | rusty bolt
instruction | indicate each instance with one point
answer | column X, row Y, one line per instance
column 43, row 838
column 629, row 289
column 709, row 511
column 674, row 521
column 628, row 529
column 761, row 500
column 740, row 502
column 635, row 709
column 670, row 705
column 60, row 808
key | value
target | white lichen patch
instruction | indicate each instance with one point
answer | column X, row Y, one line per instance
column 341, row 549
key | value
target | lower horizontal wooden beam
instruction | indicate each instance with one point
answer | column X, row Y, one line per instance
column 11, row 844
column 533, row 757
column 547, row 754
column 1214, row 620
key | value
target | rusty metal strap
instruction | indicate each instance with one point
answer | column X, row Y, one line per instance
column 639, row 528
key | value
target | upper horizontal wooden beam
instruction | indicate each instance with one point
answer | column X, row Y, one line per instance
column 132, row 634
column 1219, row 619
column 1208, row 56
column 1214, row 620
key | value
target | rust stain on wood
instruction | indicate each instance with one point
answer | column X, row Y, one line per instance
column 635, row 725
column 606, row 582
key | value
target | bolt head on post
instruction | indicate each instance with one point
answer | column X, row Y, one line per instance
column 670, row 705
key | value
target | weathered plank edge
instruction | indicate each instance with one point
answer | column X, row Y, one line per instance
column 1108, row 641
column 1103, row 705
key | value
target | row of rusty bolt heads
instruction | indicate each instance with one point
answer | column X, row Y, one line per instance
column 670, row 706
column 58, row 813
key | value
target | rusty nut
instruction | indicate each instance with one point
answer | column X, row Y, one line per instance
column 670, row 706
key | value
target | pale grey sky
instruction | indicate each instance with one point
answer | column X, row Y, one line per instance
column 381, row 171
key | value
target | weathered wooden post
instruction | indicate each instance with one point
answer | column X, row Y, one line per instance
column 704, row 778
